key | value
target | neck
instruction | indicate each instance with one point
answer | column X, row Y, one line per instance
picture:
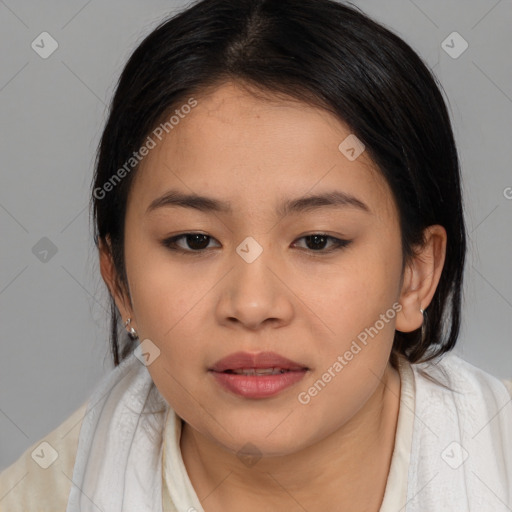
column 349, row 467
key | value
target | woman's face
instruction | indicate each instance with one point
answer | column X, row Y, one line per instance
column 256, row 283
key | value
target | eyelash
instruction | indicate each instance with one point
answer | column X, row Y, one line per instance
column 170, row 243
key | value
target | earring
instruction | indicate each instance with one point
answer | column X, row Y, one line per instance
column 132, row 332
column 422, row 325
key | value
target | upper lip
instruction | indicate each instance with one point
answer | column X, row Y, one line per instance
column 241, row 360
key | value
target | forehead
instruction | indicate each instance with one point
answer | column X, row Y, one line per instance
column 245, row 148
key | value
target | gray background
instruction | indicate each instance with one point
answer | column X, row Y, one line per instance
column 53, row 316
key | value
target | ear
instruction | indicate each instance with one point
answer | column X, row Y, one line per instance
column 421, row 277
column 109, row 274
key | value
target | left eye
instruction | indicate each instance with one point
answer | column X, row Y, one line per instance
column 198, row 242
column 317, row 242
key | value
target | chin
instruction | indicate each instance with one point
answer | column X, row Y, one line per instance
column 249, row 440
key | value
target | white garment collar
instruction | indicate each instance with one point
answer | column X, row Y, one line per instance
column 118, row 466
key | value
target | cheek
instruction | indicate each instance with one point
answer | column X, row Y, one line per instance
column 168, row 303
column 353, row 294
column 165, row 295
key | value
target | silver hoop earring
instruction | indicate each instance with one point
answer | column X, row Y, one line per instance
column 131, row 332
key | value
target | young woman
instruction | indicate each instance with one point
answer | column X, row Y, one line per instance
column 279, row 220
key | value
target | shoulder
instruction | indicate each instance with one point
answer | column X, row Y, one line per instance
column 40, row 480
column 451, row 387
column 455, row 371
column 481, row 375
column 508, row 385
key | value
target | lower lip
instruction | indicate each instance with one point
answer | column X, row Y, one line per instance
column 261, row 386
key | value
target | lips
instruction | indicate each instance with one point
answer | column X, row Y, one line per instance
column 257, row 376
column 262, row 363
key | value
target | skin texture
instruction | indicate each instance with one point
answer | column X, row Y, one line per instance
column 305, row 304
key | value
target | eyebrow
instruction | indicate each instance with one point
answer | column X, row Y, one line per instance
column 336, row 199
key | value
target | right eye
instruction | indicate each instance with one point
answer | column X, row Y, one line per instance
column 197, row 242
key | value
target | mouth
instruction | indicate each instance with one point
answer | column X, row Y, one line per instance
column 261, row 363
column 259, row 375
column 261, row 371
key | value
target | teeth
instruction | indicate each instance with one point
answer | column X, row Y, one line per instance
column 259, row 371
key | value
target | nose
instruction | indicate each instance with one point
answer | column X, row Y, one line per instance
column 256, row 294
